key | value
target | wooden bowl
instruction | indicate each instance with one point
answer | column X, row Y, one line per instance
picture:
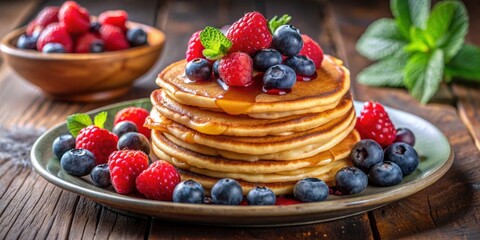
column 83, row 77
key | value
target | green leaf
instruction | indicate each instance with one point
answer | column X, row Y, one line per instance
column 420, row 41
column 385, row 73
column 410, row 13
column 448, row 25
column 274, row 23
column 215, row 43
column 423, row 74
column 466, row 64
column 100, row 119
column 77, row 121
column 381, row 39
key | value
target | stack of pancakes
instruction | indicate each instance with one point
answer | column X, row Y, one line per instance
column 210, row 132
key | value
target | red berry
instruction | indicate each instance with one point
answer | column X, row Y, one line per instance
column 116, row 18
column 250, row 33
column 44, row 18
column 55, row 32
column 75, row 18
column 194, row 48
column 97, row 140
column 113, row 37
column 236, row 69
column 125, row 166
column 282, row 200
column 84, row 42
column 32, row 27
column 158, row 181
column 312, row 50
column 136, row 115
column 374, row 123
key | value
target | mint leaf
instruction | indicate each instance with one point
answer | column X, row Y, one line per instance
column 448, row 25
column 410, row 13
column 466, row 64
column 381, row 39
column 385, row 73
column 420, row 41
column 77, row 121
column 215, row 43
column 274, row 23
column 423, row 74
column 100, row 119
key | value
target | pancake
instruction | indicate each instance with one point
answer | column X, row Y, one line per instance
column 219, row 123
column 331, row 84
column 254, row 145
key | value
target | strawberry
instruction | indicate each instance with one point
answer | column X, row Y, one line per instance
column 75, row 18
column 55, row 32
column 312, row 50
column 250, row 33
column 136, row 115
column 92, row 136
column 88, row 42
column 116, row 18
column 236, row 69
column 125, row 166
column 113, row 37
column 374, row 123
column 194, row 48
column 158, row 181
column 46, row 16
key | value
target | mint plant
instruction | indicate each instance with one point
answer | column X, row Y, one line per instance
column 419, row 48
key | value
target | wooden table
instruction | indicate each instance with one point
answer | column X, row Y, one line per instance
column 30, row 207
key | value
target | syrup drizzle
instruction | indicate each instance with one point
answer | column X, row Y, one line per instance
column 238, row 100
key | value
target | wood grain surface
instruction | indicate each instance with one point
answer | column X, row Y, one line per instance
column 31, row 208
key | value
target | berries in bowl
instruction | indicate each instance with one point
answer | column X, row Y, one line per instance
column 73, row 56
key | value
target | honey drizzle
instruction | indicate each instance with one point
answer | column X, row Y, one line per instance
column 238, row 100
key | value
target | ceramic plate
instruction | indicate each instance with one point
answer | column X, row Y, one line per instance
column 432, row 146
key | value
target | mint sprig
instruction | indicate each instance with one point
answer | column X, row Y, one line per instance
column 215, row 43
column 419, row 48
column 78, row 121
column 276, row 22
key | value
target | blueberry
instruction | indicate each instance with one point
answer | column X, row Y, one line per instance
column 404, row 155
column 189, row 192
column 365, row 154
column 227, row 191
column 310, row 190
column 97, row 46
column 100, row 175
column 134, row 141
column 136, row 36
column 124, row 127
column 78, row 162
column 62, row 144
column 385, row 174
column 266, row 58
column 261, row 196
column 215, row 68
column 351, row 180
column 287, row 40
column 53, row 47
column 27, row 42
column 95, row 27
column 405, row 135
column 198, row 69
column 279, row 77
column 302, row 65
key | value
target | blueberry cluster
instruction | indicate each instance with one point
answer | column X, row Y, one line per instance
column 383, row 167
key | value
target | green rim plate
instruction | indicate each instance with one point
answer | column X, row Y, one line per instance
column 431, row 144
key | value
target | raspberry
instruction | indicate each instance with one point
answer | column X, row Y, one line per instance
column 158, row 181
column 250, row 33
column 125, row 166
column 114, row 37
column 44, row 18
column 236, row 69
column 75, row 18
column 55, row 32
column 97, row 140
column 136, row 115
column 194, row 48
column 85, row 42
column 374, row 123
column 116, row 18
column 312, row 50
